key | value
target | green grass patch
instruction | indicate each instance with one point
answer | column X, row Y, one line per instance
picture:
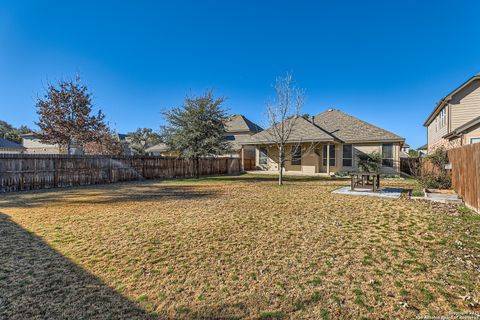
column 272, row 315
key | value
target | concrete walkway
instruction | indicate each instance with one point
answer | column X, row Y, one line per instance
column 391, row 193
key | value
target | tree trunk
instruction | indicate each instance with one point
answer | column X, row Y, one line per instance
column 197, row 168
column 280, row 166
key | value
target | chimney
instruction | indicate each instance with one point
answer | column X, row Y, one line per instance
column 313, row 119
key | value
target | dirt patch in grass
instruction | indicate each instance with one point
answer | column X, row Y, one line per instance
column 237, row 247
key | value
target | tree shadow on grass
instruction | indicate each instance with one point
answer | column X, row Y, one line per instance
column 38, row 282
column 104, row 194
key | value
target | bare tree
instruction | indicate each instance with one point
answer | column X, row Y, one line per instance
column 66, row 116
column 282, row 116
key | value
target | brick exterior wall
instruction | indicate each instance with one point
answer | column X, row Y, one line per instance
column 445, row 143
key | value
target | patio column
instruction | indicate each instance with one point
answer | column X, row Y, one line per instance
column 328, row 158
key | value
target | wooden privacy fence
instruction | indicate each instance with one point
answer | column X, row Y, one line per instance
column 28, row 172
column 249, row 164
column 466, row 173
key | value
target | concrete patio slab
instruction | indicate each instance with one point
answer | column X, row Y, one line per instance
column 391, row 193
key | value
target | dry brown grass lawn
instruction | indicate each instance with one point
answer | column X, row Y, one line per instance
column 234, row 247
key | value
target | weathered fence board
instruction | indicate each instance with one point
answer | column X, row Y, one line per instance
column 30, row 172
column 466, row 173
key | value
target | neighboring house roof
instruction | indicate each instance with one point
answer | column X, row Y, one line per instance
column 30, row 134
column 406, row 145
column 403, row 154
column 303, row 131
column 424, row 147
column 350, row 129
column 160, row 147
column 238, row 123
column 7, row 144
column 447, row 98
column 121, row 136
column 463, row 128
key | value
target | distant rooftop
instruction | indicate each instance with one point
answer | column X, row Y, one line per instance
column 7, row 144
column 238, row 123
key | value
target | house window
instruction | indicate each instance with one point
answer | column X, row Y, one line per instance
column 474, row 140
column 263, row 157
column 332, row 155
column 387, row 154
column 347, row 155
column 442, row 118
column 296, row 155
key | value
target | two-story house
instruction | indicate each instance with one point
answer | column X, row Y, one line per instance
column 455, row 121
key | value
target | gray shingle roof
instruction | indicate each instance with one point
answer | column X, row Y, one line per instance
column 303, row 131
column 425, row 146
column 238, row 123
column 350, row 129
column 7, row 144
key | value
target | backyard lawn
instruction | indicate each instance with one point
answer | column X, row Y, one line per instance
column 234, row 247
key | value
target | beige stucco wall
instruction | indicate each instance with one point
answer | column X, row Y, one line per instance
column 312, row 160
column 367, row 148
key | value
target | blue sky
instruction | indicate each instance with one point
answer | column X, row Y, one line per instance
column 387, row 62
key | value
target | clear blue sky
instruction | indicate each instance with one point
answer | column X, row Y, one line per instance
column 387, row 62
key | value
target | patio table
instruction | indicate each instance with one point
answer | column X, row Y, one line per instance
column 365, row 180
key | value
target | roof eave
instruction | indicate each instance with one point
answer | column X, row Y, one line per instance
column 447, row 99
column 435, row 111
column 290, row 141
column 375, row 141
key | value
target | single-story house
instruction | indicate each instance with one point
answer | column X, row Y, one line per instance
column 327, row 143
column 10, row 147
column 160, row 149
column 422, row 150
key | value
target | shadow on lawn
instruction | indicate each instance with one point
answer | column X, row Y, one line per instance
column 38, row 282
column 104, row 194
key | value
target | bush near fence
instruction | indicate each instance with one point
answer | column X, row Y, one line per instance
column 417, row 167
column 31, row 172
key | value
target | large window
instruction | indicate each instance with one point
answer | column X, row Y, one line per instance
column 332, row 155
column 474, row 140
column 387, row 154
column 296, row 155
column 347, row 155
column 263, row 157
column 443, row 117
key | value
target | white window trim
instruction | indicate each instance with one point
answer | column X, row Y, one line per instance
column 260, row 156
column 474, row 138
